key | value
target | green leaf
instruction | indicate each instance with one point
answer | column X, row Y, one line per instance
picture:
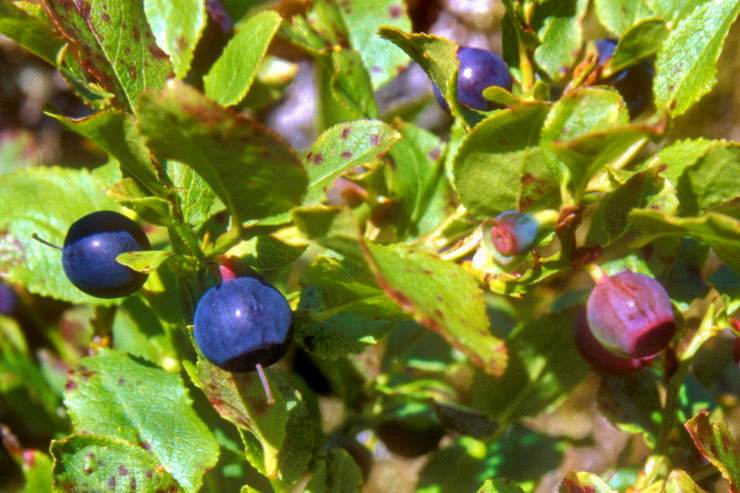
column 114, row 42
column 500, row 485
column 437, row 57
column 466, row 463
column 678, row 156
column 100, row 463
column 631, row 403
column 155, row 210
column 619, row 15
column 337, row 474
column 350, row 84
column 117, row 396
column 229, row 79
column 37, row 471
column 117, row 133
column 441, row 296
column 253, row 171
column 711, row 181
column 149, row 261
column 342, row 310
column 500, row 166
column 417, row 181
column 641, row 41
column 197, row 200
column 720, row 232
column 331, row 227
column 45, row 201
column 362, row 18
column 680, row 482
column 560, row 35
column 24, row 390
column 544, row 365
column 29, row 32
column 611, row 218
column 673, row 10
column 717, row 445
column 587, row 109
column 584, row 482
column 596, row 151
column 343, row 147
column 240, row 399
column 266, row 252
column 177, row 27
column 686, row 66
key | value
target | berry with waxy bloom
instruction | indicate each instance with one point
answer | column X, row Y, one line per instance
column 243, row 323
column 478, row 70
column 630, row 314
column 513, row 232
column 600, row 358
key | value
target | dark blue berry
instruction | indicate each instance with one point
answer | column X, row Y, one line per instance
column 90, row 250
column 513, row 232
column 634, row 84
column 7, row 300
column 630, row 314
column 601, row 359
column 478, row 70
column 242, row 323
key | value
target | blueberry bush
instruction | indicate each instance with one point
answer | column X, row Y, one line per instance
column 536, row 288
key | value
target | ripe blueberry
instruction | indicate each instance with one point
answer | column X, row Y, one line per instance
column 630, row 314
column 513, row 232
column 478, row 70
column 90, row 250
column 7, row 300
column 601, row 359
column 635, row 83
column 242, row 323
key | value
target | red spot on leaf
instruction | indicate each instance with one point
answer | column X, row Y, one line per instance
column 157, row 52
column 346, row 154
column 375, row 139
column 318, row 159
column 346, row 131
column 395, row 11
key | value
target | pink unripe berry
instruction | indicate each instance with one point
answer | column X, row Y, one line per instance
column 631, row 315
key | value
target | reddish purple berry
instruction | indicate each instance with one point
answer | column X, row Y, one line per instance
column 630, row 314
column 513, row 232
column 600, row 358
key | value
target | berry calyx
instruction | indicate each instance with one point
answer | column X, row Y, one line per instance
column 631, row 315
column 513, row 232
column 243, row 324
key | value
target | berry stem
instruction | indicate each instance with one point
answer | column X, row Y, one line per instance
column 41, row 240
column 596, row 273
column 265, row 383
column 466, row 246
